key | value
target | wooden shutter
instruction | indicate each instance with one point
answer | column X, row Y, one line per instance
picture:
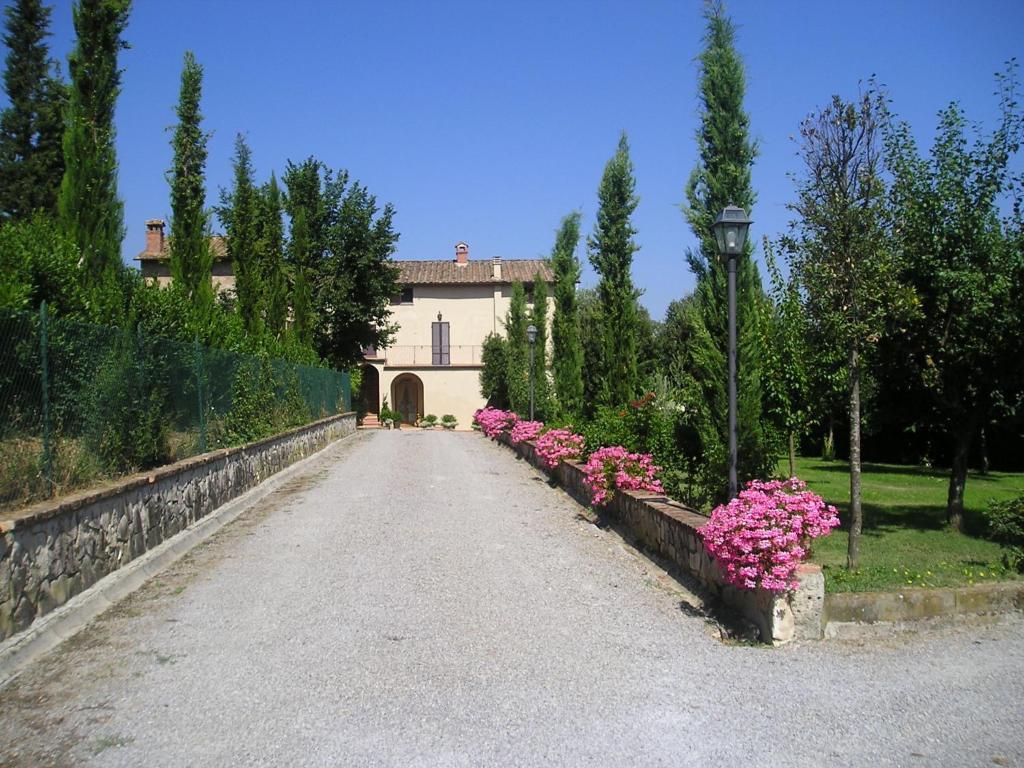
column 441, row 351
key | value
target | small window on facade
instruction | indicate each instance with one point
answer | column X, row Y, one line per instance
column 441, row 351
column 405, row 297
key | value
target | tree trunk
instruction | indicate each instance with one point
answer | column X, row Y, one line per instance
column 828, row 448
column 958, row 476
column 792, row 454
column 856, row 514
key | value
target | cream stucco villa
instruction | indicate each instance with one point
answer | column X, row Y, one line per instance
column 444, row 313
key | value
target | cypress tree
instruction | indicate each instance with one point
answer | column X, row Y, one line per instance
column 567, row 358
column 302, row 300
column 721, row 177
column 542, row 400
column 271, row 257
column 31, row 128
column 611, row 254
column 90, row 210
column 517, row 357
column 191, row 257
column 238, row 212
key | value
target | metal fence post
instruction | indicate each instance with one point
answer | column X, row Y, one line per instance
column 44, row 371
column 199, row 393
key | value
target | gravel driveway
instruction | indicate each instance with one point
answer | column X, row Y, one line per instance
column 422, row 598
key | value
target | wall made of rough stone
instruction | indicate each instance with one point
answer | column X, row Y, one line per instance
column 54, row 550
column 670, row 530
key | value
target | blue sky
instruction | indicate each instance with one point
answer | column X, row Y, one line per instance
column 487, row 122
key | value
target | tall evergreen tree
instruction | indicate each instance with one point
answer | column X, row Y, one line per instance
column 517, row 354
column 722, row 176
column 567, row 347
column 542, row 399
column 301, row 293
column 239, row 213
column 191, row 257
column 611, row 253
column 271, row 259
column 31, row 128
column 88, row 204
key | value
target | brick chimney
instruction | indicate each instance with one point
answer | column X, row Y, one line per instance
column 461, row 253
column 496, row 268
column 154, row 236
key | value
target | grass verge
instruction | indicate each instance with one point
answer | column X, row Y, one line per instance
column 906, row 541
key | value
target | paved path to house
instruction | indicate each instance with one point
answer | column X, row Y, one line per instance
column 421, row 598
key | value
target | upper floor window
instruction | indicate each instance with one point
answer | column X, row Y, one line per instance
column 405, row 297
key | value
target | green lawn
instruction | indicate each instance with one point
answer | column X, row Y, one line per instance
column 905, row 541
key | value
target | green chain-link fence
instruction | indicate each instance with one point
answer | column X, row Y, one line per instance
column 80, row 403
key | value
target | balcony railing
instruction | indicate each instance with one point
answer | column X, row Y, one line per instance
column 424, row 354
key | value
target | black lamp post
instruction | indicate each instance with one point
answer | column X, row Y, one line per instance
column 531, row 336
column 730, row 230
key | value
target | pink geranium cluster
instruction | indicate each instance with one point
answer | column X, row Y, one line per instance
column 557, row 444
column 526, row 430
column 494, row 421
column 760, row 537
column 614, row 468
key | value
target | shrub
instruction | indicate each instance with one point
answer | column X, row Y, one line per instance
column 760, row 537
column 526, row 430
column 1006, row 525
column 429, row 421
column 614, row 468
column 557, row 444
column 494, row 421
column 448, row 421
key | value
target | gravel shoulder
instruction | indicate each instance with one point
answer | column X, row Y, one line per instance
column 422, row 598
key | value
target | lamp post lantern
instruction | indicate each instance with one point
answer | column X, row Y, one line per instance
column 730, row 230
column 531, row 336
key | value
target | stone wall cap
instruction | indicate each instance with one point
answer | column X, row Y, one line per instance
column 50, row 508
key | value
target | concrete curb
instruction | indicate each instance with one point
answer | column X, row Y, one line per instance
column 49, row 631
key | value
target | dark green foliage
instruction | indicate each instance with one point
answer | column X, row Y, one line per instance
column 191, row 257
column 350, row 272
column 90, row 210
column 252, row 403
column 494, row 371
column 270, row 259
column 962, row 346
column 239, row 213
column 39, row 263
column 611, row 253
column 303, row 322
column 592, row 343
column 567, row 347
column 32, row 127
column 517, row 355
column 543, row 400
column 125, row 417
column 722, row 176
column 1006, row 525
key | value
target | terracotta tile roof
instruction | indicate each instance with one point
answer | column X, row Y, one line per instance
column 217, row 242
column 476, row 272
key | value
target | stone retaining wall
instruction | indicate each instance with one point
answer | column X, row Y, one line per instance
column 670, row 530
column 53, row 550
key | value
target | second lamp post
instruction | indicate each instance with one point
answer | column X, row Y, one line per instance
column 531, row 336
column 730, row 230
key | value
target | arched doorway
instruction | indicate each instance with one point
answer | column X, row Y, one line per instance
column 407, row 397
column 369, row 390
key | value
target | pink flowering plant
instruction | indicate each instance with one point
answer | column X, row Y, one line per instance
column 761, row 537
column 614, row 468
column 526, row 430
column 494, row 421
column 557, row 444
